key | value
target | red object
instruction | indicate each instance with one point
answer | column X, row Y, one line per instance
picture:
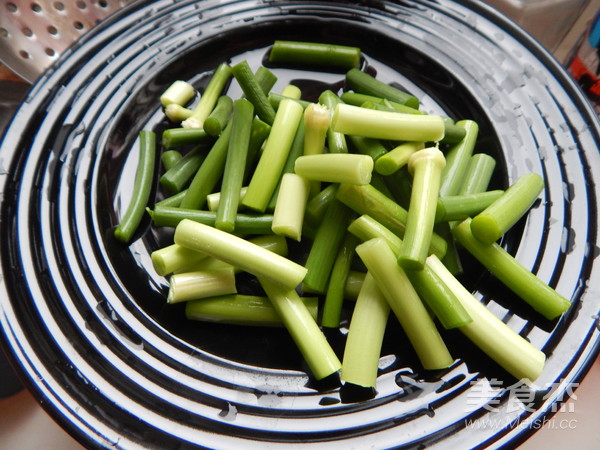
column 584, row 65
column 585, row 77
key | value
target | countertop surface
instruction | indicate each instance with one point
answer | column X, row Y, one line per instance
column 24, row 424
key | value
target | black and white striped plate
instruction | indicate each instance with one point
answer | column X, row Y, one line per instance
column 85, row 317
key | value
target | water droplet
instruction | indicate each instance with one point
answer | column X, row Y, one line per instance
column 509, row 84
column 592, row 250
column 387, row 361
column 529, row 164
column 567, row 240
column 229, row 413
column 568, row 192
column 471, row 20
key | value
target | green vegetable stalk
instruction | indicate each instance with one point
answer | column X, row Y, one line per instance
column 288, row 217
column 360, row 363
column 348, row 168
column 171, row 201
column 213, row 200
column 336, row 142
column 490, row 224
column 458, row 158
column 292, row 91
column 177, row 113
column 334, row 297
column 170, row 216
column 219, row 116
column 238, row 309
column 208, row 100
column 354, row 283
column 177, row 137
column 357, row 99
column 453, row 133
column 208, row 174
column 366, row 228
column 316, row 124
column 363, row 83
column 296, row 150
column 426, row 166
column 240, row 253
column 270, row 242
column 188, row 286
column 513, row 274
column 170, row 158
column 315, row 53
column 325, row 247
column 318, row 204
column 365, row 199
column 478, row 174
column 260, row 132
column 179, row 92
column 276, row 99
column 389, row 125
column 173, row 257
column 179, row 175
column 460, row 207
column 442, row 301
column 141, row 190
column 270, row 165
column 511, row 351
column 307, row 335
column 397, row 158
column 265, row 79
column 253, row 91
column 235, row 164
column 368, row 146
column 406, row 304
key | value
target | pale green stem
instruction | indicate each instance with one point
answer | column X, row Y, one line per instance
column 239, row 252
column 406, row 304
column 270, row 165
column 305, row 332
column 179, row 93
column 238, row 309
column 390, row 125
column 288, row 216
column 511, row 351
column 348, row 168
column 188, row 286
column 360, row 363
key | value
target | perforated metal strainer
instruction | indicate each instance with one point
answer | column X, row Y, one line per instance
column 34, row 32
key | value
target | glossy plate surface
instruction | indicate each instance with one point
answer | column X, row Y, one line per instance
column 85, row 317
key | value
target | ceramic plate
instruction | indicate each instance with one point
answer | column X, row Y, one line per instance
column 85, row 317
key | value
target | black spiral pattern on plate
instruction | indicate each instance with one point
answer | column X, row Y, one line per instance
column 85, row 318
